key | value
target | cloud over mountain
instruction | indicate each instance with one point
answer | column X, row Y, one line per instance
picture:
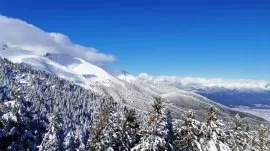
column 207, row 83
column 19, row 33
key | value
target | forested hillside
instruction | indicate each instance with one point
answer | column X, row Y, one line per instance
column 31, row 100
column 39, row 111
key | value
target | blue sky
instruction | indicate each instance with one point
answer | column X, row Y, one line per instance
column 227, row 39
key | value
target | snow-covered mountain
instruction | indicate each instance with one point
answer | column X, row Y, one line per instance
column 39, row 108
column 250, row 93
column 55, row 95
column 124, row 88
column 57, row 54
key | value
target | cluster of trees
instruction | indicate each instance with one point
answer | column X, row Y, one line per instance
column 39, row 111
column 124, row 130
column 160, row 132
column 19, row 127
column 32, row 100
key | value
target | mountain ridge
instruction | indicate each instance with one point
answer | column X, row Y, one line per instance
column 124, row 88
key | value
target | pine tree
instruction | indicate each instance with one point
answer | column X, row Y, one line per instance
column 158, row 106
column 189, row 133
column 116, row 132
column 238, row 138
column 54, row 138
column 103, row 128
column 262, row 137
column 154, row 132
column 71, row 142
column 171, row 137
column 214, row 131
column 82, row 141
column 130, row 129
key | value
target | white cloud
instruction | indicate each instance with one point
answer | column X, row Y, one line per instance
column 26, row 36
column 207, row 83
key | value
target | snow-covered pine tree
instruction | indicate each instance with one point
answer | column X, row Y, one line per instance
column 82, row 141
column 18, row 129
column 130, row 129
column 98, row 137
column 259, row 142
column 214, row 131
column 106, row 130
column 189, row 133
column 116, row 131
column 238, row 138
column 154, row 131
column 72, row 142
column 171, row 137
column 267, row 138
column 54, row 138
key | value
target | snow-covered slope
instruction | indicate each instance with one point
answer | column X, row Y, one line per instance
column 84, row 68
column 59, row 115
column 124, row 88
column 18, row 55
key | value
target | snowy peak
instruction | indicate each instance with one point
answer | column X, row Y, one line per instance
column 63, row 59
column 82, row 67
column 26, row 36
column 40, row 62
column 65, row 66
column 126, row 76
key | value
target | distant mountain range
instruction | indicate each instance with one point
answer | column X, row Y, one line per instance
column 249, row 93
